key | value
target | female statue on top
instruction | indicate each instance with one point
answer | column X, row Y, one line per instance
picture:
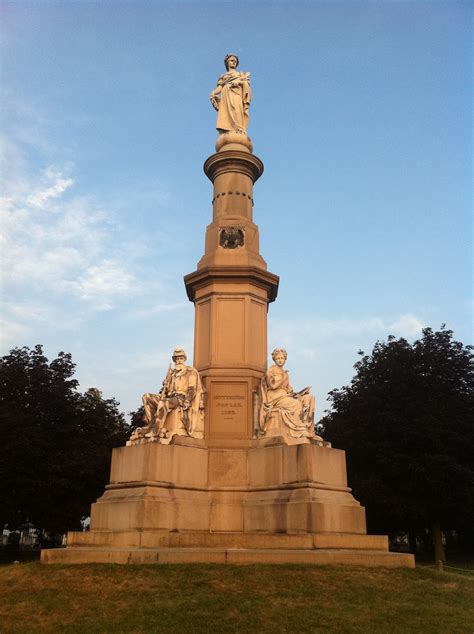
column 231, row 98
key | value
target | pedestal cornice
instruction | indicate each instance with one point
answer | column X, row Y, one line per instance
column 233, row 161
column 260, row 277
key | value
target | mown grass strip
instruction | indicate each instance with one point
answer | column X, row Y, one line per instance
column 207, row 599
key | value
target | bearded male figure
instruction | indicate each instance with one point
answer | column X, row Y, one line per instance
column 177, row 409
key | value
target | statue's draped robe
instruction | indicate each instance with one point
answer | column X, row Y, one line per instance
column 296, row 413
column 234, row 101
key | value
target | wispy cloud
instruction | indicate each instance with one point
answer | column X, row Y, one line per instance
column 403, row 325
column 307, row 336
column 104, row 282
column 58, row 243
column 406, row 326
column 322, row 351
column 158, row 308
column 21, row 319
column 11, row 330
column 58, row 185
column 62, row 249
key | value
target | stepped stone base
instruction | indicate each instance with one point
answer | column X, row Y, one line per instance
column 158, row 539
column 226, row 556
column 265, row 503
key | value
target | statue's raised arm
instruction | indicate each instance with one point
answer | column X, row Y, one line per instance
column 231, row 98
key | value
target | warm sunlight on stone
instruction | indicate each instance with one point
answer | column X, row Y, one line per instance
column 228, row 468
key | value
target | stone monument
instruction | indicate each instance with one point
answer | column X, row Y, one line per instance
column 227, row 467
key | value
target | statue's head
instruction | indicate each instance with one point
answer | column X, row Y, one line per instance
column 179, row 355
column 227, row 58
column 279, row 352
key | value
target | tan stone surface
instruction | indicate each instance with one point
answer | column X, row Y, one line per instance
column 227, row 556
column 273, row 504
column 321, row 558
column 227, row 468
column 301, row 463
column 234, row 141
column 226, row 539
column 231, row 290
column 349, row 541
column 231, row 318
column 264, row 489
column 179, row 465
column 233, row 174
column 107, row 539
column 229, row 408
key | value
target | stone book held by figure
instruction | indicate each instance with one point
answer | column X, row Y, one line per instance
column 227, row 467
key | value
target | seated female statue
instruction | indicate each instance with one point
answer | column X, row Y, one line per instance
column 294, row 410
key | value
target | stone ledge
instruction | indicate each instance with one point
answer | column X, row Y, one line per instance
column 200, row 539
column 234, row 161
column 287, row 486
column 248, row 274
column 370, row 558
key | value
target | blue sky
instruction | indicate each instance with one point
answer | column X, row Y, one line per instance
column 361, row 114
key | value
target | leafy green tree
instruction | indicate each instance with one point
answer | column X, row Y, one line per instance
column 56, row 442
column 136, row 418
column 406, row 421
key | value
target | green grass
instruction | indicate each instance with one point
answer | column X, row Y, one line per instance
column 207, row 598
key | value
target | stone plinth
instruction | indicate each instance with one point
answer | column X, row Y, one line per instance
column 238, row 556
column 230, row 344
column 265, row 503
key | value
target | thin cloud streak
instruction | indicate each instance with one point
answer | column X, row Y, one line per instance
column 64, row 250
column 157, row 309
column 406, row 325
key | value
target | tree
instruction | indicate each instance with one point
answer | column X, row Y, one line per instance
column 136, row 418
column 406, row 421
column 56, row 442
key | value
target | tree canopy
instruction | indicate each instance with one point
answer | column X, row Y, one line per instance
column 56, row 442
column 406, row 421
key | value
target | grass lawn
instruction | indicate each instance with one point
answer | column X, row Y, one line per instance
column 209, row 598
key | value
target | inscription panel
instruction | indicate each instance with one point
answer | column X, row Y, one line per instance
column 228, row 408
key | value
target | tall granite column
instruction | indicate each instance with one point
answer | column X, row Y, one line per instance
column 231, row 290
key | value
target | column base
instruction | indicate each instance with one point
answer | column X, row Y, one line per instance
column 226, row 556
column 263, row 504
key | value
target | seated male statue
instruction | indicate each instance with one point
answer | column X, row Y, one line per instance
column 177, row 408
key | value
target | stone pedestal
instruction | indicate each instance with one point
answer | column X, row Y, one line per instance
column 230, row 344
column 185, row 502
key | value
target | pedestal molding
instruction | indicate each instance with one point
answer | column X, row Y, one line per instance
column 206, row 275
column 237, row 489
column 233, row 161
